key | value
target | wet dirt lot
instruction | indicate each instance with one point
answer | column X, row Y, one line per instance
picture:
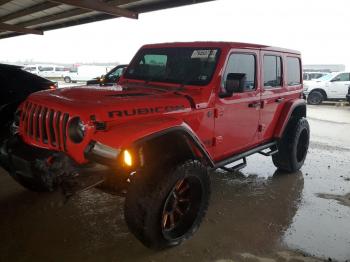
column 256, row 215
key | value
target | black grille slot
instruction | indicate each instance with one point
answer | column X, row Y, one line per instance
column 51, row 127
column 44, row 136
column 64, row 131
column 37, row 123
column 31, row 120
column 57, row 127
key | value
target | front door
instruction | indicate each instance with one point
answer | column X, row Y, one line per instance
column 339, row 86
column 237, row 116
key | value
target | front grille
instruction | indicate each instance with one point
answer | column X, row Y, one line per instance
column 45, row 126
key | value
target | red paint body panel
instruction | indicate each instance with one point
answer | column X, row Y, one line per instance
column 131, row 111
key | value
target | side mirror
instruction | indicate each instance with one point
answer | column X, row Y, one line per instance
column 235, row 83
column 335, row 79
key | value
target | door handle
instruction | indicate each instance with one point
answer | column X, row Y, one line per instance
column 254, row 105
column 279, row 100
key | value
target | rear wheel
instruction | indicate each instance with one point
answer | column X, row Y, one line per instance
column 67, row 79
column 293, row 146
column 163, row 208
column 315, row 98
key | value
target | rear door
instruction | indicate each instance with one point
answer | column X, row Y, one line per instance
column 281, row 81
column 339, row 85
column 237, row 116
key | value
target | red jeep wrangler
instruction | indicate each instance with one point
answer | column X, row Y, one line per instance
column 179, row 111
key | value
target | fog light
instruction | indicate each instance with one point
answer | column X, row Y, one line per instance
column 127, row 158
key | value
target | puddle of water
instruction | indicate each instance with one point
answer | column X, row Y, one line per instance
column 321, row 226
column 343, row 200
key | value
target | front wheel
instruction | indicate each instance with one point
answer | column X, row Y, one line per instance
column 293, row 146
column 165, row 207
column 315, row 98
column 67, row 79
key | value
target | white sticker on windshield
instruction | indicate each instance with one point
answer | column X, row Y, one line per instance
column 203, row 54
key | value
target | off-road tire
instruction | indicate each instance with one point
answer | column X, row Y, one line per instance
column 67, row 79
column 315, row 98
column 148, row 195
column 293, row 146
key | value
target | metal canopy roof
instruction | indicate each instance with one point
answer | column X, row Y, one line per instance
column 18, row 17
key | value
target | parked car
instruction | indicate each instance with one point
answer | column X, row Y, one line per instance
column 84, row 73
column 313, row 75
column 348, row 95
column 181, row 110
column 53, row 71
column 34, row 69
column 333, row 86
column 16, row 85
column 110, row 78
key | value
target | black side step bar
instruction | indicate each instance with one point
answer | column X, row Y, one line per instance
column 271, row 145
column 273, row 150
column 236, row 167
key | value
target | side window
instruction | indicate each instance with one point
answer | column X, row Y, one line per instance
column 293, row 71
column 45, row 68
column 116, row 73
column 242, row 64
column 342, row 77
column 272, row 71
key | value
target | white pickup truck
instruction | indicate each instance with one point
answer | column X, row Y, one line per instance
column 333, row 86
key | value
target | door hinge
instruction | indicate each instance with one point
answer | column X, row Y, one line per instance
column 261, row 127
column 218, row 112
column 217, row 140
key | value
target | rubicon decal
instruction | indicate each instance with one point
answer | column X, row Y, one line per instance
column 145, row 111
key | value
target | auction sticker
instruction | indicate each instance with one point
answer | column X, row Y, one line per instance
column 204, row 54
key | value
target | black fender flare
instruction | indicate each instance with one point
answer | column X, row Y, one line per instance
column 184, row 131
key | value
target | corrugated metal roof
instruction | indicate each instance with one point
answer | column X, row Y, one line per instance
column 21, row 15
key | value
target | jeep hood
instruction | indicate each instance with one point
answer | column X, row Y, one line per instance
column 115, row 102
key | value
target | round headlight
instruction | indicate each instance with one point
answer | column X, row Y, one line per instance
column 76, row 130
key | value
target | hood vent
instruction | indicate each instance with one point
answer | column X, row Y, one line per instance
column 129, row 95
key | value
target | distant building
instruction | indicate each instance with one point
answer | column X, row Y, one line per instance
column 323, row 68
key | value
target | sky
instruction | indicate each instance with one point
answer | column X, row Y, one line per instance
column 318, row 28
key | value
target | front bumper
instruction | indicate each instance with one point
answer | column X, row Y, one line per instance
column 102, row 154
column 47, row 168
column 41, row 166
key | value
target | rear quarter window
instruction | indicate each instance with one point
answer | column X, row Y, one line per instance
column 293, row 71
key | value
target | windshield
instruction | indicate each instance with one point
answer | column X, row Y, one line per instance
column 326, row 77
column 193, row 66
